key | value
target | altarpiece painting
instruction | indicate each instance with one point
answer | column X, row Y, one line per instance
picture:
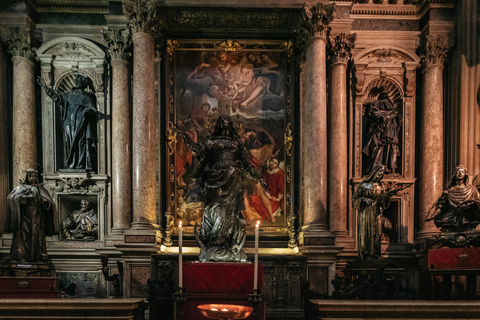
column 252, row 83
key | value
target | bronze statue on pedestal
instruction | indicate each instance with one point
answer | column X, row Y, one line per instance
column 31, row 216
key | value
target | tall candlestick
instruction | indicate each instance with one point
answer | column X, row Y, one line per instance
column 180, row 267
column 255, row 269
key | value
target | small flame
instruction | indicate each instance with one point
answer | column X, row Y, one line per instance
column 180, row 224
column 214, row 309
column 224, row 310
column 258, row 223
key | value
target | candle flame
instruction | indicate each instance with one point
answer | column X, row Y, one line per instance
column 180, row 224
column 225, row 310
column 214, row 309
column 258, row 223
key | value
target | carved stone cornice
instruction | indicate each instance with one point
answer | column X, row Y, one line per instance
column 434, row 51
column 314, row 22
column 119, row 43
column 340, row 47
column 143, row 16
column 18, row 41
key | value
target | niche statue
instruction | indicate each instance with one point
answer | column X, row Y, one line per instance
column 31, row 215
column 79, row 122
column 458, row 208
column 383, row 135
column 81, row 224
column 370, row 199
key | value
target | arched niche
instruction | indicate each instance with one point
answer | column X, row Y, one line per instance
column 394, row 69
column 61, row 59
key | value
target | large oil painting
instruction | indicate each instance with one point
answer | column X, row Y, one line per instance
column 251, row 84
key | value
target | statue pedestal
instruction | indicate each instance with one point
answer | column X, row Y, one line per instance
column 219, row 283
column 26, row 269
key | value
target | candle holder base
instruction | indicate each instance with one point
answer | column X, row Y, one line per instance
column 255, row 298
column 181, row 295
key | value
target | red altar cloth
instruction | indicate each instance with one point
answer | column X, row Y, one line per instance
column 220, row 283
column 220, row 278
column 454, row 258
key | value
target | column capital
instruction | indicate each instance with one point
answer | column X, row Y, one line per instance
column 434, row 51
column 314, row 23
column 19, row 42
column 143, row 16
column 119, row 43
column 340, row 47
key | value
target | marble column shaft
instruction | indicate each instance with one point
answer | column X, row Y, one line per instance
column 121, row 147
column 24, row 135
column 431, row 144
column 338, row 163
column 143, row 133
column 314, row 135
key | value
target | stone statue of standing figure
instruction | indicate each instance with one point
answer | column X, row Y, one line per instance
column 370, row 199
column 382, row 146
column 79, row 121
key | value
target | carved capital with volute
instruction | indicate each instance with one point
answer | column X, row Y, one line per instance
column 119, row 43
column 434, row 51
column 314, row 22
column 19, row 42
column 143, row 16
column 340, row 48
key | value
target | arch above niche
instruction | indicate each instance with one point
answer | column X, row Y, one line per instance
column 383, row 55
column 69, row 55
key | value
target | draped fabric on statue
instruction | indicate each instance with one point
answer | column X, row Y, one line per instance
column 459, row 205
column 222, row 228
column 31, row 216
column 79, row 128
column 369, row 227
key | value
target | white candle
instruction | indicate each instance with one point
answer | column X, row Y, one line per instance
column 180, row 267
column 255, row 269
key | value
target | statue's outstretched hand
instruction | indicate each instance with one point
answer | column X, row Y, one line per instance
column 41, row 82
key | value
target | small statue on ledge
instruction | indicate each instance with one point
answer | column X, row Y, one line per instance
column 31, row 216
column 370, row 199
column 458, row 208
column 81, row 224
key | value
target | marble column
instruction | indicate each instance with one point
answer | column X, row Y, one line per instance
column 431, row 151
column 314, row 121
column 143, row 133
column 24, row 135
column 119, row 44
column 338, row 149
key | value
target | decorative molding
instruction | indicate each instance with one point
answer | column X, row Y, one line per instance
column 59, row 6
column 119, row 43
column 288, row 46
column 19, row 42
column 289, row 139
column 340, row 47
column 171, row 46
column 184, row 19
column 292, row 242
column 229, row 45
column 434, row 51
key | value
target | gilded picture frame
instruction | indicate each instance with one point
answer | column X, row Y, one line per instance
column 252, row 82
